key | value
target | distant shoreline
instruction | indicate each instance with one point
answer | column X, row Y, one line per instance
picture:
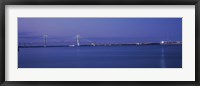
column 98, row 45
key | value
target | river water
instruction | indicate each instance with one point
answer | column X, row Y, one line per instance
column 145, row 56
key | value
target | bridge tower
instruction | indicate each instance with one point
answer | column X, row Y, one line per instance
column 45, row 40
column 78, row 40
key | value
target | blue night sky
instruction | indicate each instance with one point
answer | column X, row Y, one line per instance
column 100, row 30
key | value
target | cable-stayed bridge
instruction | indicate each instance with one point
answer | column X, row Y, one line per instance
column 72, row 41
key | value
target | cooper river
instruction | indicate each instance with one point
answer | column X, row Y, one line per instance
column 145, row 56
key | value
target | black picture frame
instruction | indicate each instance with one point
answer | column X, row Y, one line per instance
column 98, row 2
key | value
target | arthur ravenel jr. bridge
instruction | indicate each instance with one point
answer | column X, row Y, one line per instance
column 70, row 42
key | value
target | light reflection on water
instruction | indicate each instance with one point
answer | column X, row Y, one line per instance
column 163, row 58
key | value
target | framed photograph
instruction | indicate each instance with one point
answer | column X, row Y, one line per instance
column 100, row 42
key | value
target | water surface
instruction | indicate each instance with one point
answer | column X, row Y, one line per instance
column 145, row 56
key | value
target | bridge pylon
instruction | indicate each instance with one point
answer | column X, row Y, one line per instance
column 78, row 40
